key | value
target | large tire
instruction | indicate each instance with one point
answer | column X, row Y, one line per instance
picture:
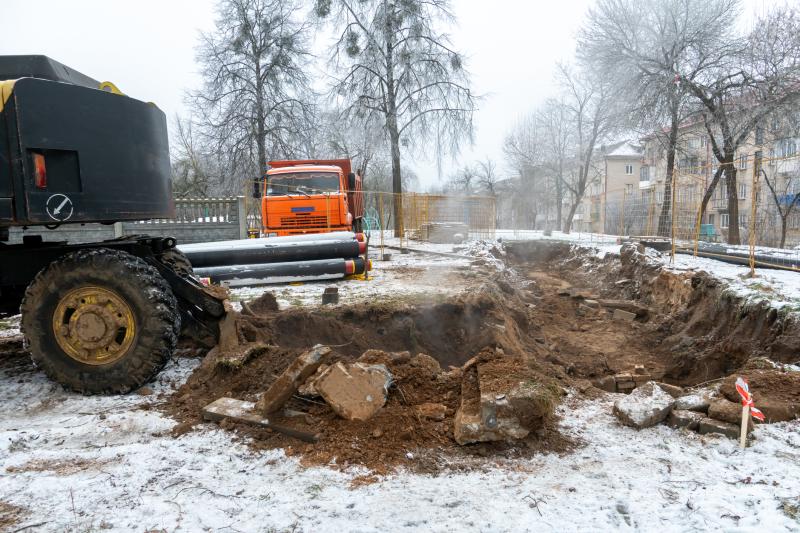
column 177, row 261
column 126, row 300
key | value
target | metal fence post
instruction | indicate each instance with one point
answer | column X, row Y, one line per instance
column 118, row 230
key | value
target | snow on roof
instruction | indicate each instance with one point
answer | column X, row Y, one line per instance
column 626, row 149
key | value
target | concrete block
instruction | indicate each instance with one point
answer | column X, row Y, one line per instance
column 645, row 407
column 693, row 402
column 355, row 391
column 710, row 425
column 287, row 383
column 679, row 418
column 672, row 390
column 623, row 316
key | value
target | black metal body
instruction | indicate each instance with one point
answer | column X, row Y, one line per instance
column 106, row 155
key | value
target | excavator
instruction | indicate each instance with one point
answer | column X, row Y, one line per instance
column 99, row 317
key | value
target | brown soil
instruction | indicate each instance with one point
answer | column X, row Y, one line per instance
column 553, row 337
column 10, row 516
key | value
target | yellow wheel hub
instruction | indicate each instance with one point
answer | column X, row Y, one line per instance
column 94, row 325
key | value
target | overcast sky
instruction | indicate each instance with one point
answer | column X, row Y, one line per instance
column 147, row 49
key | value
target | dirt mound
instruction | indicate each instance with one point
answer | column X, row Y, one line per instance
column 775, row 392
column 415, row 427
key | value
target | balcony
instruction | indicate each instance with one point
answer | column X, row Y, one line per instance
column 644, row 185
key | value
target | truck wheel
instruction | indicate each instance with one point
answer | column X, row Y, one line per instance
column 177, row 261
column 100, row 321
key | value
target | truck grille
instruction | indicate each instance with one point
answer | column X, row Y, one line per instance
column 305, row 222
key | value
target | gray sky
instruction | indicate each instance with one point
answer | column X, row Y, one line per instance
column 147, row 49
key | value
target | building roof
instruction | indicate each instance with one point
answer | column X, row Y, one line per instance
column 626, row 149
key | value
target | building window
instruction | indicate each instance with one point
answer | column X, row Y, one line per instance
column 711, row 219
column 742, row 190
column 743, row 162
column 644, row 174
column 723, row 220
column 742, row 221
column 628, row 189
column 759, row 135
column 629, row 170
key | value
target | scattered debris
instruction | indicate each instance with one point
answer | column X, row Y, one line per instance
column 680, row 418
column 645, row 407
column 295, row 375
column 355, row 391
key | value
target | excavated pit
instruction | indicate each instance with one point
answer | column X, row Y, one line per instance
column 539, row 312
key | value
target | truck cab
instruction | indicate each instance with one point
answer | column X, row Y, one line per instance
column 311, row 196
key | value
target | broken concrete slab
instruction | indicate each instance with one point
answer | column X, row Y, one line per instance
column 672, row 390
column 607, row 383
column 710, row 425
column 626, row 305
column 308, row 388
column 698, row 402
column 727, row 411
column 499, row 405
column 354, row 391
column 645, row 407
column 680, row 418
column 240, row 411
column 623, row 316
column 288, row 382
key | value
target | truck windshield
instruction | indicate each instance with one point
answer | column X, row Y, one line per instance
column 302, row 183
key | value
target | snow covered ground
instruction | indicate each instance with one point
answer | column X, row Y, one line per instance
column 74, row 463
column 107, row 463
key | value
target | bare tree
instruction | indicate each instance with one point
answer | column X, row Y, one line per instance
column 486, row 170
column 394, row 62
column 641, row 46
column 785, row 198
column 591, row 110
column 744, row 81
column 254, row 97
column 191, row 172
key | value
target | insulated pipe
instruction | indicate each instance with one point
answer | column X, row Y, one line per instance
column 264, row 251
column 333, row 236
column 284, row 272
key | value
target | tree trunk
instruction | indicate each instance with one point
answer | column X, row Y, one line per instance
column 571, row 214
column 397, row 181
column 664, row 220
column 392, row 126
column 709, row 192
column 733, row 201
column 784, row 221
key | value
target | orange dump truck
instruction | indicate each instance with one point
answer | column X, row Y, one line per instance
column 311, row 196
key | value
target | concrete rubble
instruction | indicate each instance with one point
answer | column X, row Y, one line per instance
column 354, row 391
column 493, row 410
column 645, row 407
column 291, row 378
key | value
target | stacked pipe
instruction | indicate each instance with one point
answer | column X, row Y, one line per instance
column 279, row 259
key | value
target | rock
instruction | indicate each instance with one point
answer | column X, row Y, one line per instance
column 354, row 391
column 709, row 425
column 431, row 411
column 626, row 305
column 646, row 406
column 144, row 391
column 623, row 316
column 291, row 378
column 693, row 402
column 265, row 303
column 680, row 418
column 606, row 383
column 495, row 409
column 672, row 390
column 639, row 370
column 308, row 388
column 591, row 303
column 779, row 411
column 725, row 410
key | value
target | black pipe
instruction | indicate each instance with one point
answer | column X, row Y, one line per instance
column 262, row 251
column 285, row 272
